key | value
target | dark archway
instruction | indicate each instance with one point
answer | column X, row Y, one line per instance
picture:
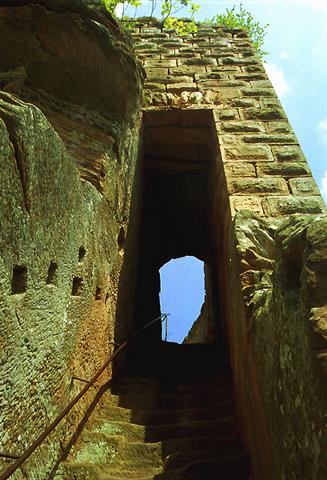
column 179, row 173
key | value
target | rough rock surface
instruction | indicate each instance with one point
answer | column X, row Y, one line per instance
column 279, row 343
column 69, row 120
column 69, row 142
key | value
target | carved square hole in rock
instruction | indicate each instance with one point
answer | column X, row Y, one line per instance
column 52, row 273
column 19, row 279
column 77, row 286
column 121, row 238
column 98, row 293
column 81, row 253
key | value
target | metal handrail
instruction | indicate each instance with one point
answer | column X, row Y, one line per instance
column 22, row 458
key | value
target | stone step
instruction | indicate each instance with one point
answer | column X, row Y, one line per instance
column 139, row 401
column 113, row 449
column 230, row 468
column 110, row 449
column 225, row 428
column 89, row 471
column 161, row 417
column 151, row 429
column 231, row 443
column 176, row 460
column 140, row 385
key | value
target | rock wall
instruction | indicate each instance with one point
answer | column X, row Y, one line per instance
column 69, row 143
column 278, row 333
column 271, row 268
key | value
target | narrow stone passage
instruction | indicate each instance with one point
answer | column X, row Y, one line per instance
column 176, row 425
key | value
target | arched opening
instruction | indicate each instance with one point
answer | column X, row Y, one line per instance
column 181, row 295
column 179, row 218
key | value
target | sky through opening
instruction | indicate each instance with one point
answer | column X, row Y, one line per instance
column 181, row 295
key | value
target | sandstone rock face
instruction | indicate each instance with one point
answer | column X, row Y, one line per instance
column 217, row 145
column 279, row 341
column 69, row 121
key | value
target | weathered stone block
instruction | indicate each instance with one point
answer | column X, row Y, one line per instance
column 153, row 31
column 220, row 52
column 278, row 127
column 246, row 103
column 259, row 153
column 239, row 61
column 219, row 43
column 140, row 46
column 258, row 92
column 169, row 79
column 264, row 114
column 287, row 169
column 257, row 186
column 252, row 203
column 224, row 69
column 155, row 72
column 216, row 84
column 210, row 76
column 187, row 70
column 242, row 127
column 270, row 102
column 261, row 83
column 289, row 205
column 160, row 63
column 170, row 44
column 156, row 87
column 254, row 68
column 267, row 138
column 304, row 186
column 288, row 154
column 228, row 114
column 241, row 169
column 152, row 34
column 224, row 95
column 251, row 76
column 198, row 61
column 181, row 87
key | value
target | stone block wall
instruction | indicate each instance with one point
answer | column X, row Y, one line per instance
column 219, row 70
column 269, row 241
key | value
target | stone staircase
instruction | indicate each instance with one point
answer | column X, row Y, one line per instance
column 147, row 428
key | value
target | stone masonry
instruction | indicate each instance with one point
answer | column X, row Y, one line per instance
column 219, row 70
column 71, row 140
column 269, row 233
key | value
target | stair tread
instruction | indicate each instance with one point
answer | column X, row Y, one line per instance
column 151, row 429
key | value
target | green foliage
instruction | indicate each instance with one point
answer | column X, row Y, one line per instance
column 111, row 5
column 244, row 19
column 230, row 18
column 169, row 8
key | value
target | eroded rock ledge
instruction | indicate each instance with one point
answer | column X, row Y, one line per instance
column 79, row 69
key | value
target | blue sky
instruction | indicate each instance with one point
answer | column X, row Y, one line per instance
column 297, row 66
column 182, row 295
